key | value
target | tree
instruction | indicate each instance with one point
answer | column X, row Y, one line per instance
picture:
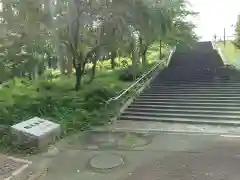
column 237, row 31
column 25, row 36
column 78, row 32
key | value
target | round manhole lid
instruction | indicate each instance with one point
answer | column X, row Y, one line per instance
column 106, row 161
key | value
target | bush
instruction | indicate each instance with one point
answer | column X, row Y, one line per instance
column 127, row 74
column 124, row 63
column 73, row 110
column 96, row 98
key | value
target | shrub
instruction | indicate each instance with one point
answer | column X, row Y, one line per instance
column 124, row 63
column 96, row 98
column 127, row 74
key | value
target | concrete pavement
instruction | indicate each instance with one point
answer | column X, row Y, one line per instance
column 162, row 156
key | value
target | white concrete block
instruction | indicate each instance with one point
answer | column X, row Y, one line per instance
column 35, row 132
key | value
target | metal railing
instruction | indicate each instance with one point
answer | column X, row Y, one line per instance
column 170, row 55
column 122, row 93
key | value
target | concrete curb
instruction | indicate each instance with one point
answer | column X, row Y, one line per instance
column 216, row 123
column 157, row 131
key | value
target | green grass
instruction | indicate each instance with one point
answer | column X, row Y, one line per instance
column 56, row 99
column 231, row 53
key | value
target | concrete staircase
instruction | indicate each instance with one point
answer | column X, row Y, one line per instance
column 195, row 88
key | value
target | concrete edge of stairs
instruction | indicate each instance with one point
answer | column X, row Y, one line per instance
column 182, row 120
column 130, row 100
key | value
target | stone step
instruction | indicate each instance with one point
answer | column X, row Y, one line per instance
column 201, row 72
column 159, row 81
column 179, row 115
column 189, row 85
column 188, row 78
column 225, row 91
column 199, row 85
column 182, row 120
column 217, row 88
column 156, row 94
column 184, row 107
column 193, row 89
column 183, row 111
column 189, row 104
column 176, row 96
column 189, row 75
column 205, row 91
column 217, row 101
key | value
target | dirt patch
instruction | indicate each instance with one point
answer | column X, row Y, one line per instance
column 8, row 166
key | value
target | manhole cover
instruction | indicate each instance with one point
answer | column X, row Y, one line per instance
column 106, row 161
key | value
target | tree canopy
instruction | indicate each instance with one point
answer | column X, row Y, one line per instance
column 76, row 32
column 237, row 31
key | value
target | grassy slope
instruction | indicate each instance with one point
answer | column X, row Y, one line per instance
column 58, row 100
column 230, row 52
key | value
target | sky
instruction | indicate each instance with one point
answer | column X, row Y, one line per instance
column 214, row 16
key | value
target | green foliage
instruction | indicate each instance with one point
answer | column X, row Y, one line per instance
column 43, row 31
column 56, row 101
column 237, row 30
column 230, row 52
column 76, row 33
column 96, row 98
column 127, row 74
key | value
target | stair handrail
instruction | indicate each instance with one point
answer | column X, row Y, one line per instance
column 141, row 78
column 171, row 54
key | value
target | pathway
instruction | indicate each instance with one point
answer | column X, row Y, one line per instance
column 151, row 156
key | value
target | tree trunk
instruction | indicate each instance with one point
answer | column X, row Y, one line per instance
column 69, row 64
column 61, row 58
column 79, row 66
column 62, row 65
column 35, row 72
column 29, row 76
column 93, row 71
column 144, row 57
column 78, row 74
column 134, row 63
column 160, row 50
column 141, row 48
column 113, row 63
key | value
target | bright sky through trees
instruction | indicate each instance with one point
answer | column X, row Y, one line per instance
column 214, row 16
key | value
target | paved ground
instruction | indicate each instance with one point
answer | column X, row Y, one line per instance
column 147, row 154
column 162, row 156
